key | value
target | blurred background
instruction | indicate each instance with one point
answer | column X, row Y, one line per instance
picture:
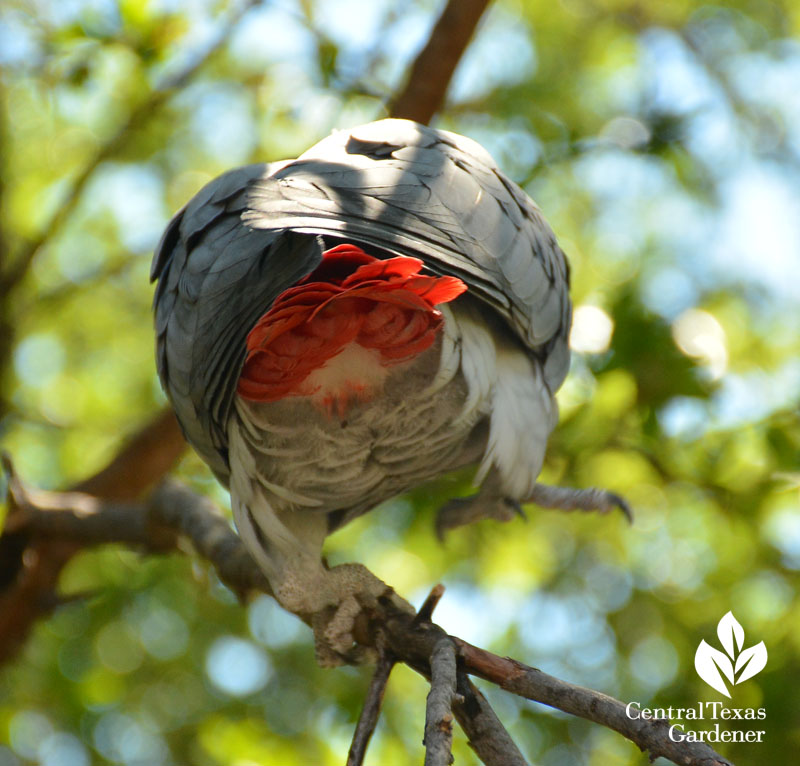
column 661, row 140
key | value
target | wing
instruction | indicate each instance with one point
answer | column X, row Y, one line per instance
column 216, row 277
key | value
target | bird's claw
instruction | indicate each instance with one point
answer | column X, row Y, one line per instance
column 465, row 510
column 516, row 507
column 356, row 594
column 569, row 499
column 617, row 501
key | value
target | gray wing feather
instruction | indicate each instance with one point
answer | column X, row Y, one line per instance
column 216, row 278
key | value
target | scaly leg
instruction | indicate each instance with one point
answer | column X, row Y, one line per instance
column 569, row 499
column 490, row 503
column 288, row 546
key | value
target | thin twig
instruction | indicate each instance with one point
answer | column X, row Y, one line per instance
column 370, row 713
column 426, row 610
column 485, row 731
column 439, row 708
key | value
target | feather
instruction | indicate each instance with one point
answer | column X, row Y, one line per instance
column 396, row 190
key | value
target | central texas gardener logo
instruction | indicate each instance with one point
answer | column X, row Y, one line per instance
column 735, row 664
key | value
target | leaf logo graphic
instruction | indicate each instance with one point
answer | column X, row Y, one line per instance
column 735, row 664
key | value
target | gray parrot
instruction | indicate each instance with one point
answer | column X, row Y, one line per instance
column 337, row 329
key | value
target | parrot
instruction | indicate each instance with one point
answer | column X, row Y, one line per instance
column 335, row 330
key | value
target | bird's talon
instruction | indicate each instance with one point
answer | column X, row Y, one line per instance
column 516, row 507
column 621, row 503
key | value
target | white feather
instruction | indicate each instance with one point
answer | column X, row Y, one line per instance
column 451, row 356
column 506, row 383
column 251, row 508
column 523, row 415
column 478, row 365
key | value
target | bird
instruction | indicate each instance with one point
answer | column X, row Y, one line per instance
column 336, row 329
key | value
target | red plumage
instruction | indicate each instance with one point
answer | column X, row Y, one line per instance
column 351, row 297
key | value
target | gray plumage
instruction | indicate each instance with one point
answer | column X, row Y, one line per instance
column 482, row 394
column 393, row 184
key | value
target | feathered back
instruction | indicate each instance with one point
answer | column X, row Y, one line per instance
column 394, row 185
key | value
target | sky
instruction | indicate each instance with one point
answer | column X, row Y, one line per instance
column 745, row 240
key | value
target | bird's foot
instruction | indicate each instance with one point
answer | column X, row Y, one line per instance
column 339, row 607
column 465, row 510
column 569, row 499
column 491, row 505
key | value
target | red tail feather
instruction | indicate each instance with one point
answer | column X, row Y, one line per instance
column 350, row 298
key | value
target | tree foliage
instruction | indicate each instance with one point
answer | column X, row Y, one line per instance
column 662, row 141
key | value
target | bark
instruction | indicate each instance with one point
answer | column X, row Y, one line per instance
column 370, row 712
column 44, row 530
column 485, row 731
column 439, row 708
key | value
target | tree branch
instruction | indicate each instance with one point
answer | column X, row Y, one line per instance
column 176, row 507
column 485, row 731
column 371, row 711
column 439, row 709
column 434, row 66
column 533, row 684
column 77, row 521
column 31, row 559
